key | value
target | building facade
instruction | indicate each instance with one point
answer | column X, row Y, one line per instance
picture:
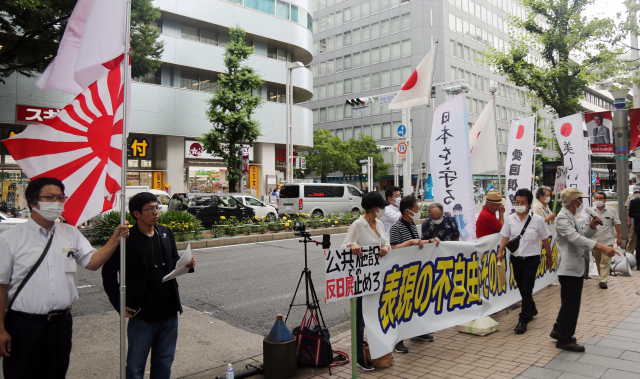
column 169, row 107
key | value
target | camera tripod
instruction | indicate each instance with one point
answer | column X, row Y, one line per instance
column 312, row 301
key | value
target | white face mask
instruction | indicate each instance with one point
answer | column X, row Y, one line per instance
column 437, row 222
column 397, row 201
column 547, row 199
column 49, row 211
column 380, row 213
column 520, row 208
column 580, row 208
column 636, row 195
column 415, row 216
column 598, row 203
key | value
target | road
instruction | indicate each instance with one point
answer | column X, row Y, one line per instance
column 244, row 285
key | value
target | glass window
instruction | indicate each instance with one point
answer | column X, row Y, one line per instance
column 338, row 18
column 375, row 107
column 190, row 32
column 375, row 80
column 396, row 76
column 406, row 21
column 315, row 116
column 294, row 14
column 385, row 53
column 339, row 64
column 331, row 67
column 356, row 12
column 346, row 14
column 452, row 72
column 209, row 36
column 189, row 80
column 347, row 111
column 357, row 130
column 347, row 86
column 377, row 131
column 366, row 33
column 366, row 57
column 323, row 114
column 356, row 36
column 272, row 52
column 385, row 78
column 395, row 24
column 282, row 54
column 406, row 73
column 330, row 20
column 375, row 30
column 266, row 6
column 364, row 9
column 465, row 27
column 331, row 88
column 322, row 24
column 339, row 88
column 366, row 82
column 366, row 130
column 315, row 25
column 386, row 130
column 374, row 5
column 347, row 38
column 281, row 95
column 406, row 47
column 348, row 134
column 452, row 22
column 331, row 113
column 323, row 69
column 375, row 55
column 395, row 50
column 339, row 112
column 384, row 4
column 339, row 40
column 282, row 9
column 323, row 92
column 272, row 94
column 315, row 94
column 384, row 27
column 347, row 62
column 357, row 84
column 356, row 60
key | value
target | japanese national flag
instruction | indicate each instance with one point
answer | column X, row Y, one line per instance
column 482, row 140
column 417, row 89
column 570, row 135
column 92, row 45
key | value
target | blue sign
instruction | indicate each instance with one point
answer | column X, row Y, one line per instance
column 594, row 181
column 402, row 130
column 428, row 188
column 593, row 175
column 382, row 100
column 399, row 165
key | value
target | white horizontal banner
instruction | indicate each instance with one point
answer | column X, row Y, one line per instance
column 195, row 150
column 348, row 275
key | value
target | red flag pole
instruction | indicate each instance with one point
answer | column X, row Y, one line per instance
column 123, row 193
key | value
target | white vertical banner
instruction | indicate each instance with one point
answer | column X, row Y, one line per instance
column 570, row 135
column 482, row 140
column 518, row 170
column 450, row 164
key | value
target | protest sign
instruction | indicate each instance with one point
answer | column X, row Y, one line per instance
column 348, row 275
column 599, row 126
column 519, row 159
column 450, row 162
column 561, row 179
column 569, row 133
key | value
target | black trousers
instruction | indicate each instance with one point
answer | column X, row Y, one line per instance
column 39, row 348
column 570, row 296
column 524, row 272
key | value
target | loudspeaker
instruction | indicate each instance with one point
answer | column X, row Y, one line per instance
column 631, row 258
column 622, row 266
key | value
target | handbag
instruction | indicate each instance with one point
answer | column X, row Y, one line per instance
column 382, row 362
column 501, row 267
column 515, row 243
column 314, row 348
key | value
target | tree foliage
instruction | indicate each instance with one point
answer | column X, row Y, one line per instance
column 574, row 51
column 34, row 29
column 362, row 148
column 232, row 106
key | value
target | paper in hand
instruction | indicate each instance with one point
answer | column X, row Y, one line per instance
column 181, row 268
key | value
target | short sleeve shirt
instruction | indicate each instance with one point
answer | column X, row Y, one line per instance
column 605, row 233
column 530, row 242
column 487, row 223
column 53, row 285
column 402, row 231
column 446, row 231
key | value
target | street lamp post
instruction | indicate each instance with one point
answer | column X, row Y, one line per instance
column 289, row 109
column 621, row 143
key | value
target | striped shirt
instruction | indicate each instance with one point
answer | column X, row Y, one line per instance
column 400, row 232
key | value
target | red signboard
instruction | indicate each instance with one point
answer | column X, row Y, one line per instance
column 27, row 113
column 602, row 149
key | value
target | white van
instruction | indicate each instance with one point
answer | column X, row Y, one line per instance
column 163, row 197
column 319, row 199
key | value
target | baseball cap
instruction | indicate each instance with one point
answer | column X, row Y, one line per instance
column 494, row 196
column 636, row 189
column 570, row 194
column 373, row 199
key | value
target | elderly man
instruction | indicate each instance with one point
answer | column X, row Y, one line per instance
column 487, row 223
column 439, row 225
column 601, row 134
column 391, row 211
column 604, row 234
column 573, row 265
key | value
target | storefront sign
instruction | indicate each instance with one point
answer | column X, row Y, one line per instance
column 203, row 173
column 26, row 113
column 157, row 180
column 254, row 180
column 139, row 148
column 195, row 149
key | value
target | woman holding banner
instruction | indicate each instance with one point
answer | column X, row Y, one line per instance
column 368, row 230
column 529, row 229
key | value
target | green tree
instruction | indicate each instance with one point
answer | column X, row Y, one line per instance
column 360, row 149
column 327, row 155
column 574, row 51
column 232, row 106
column 34, row 29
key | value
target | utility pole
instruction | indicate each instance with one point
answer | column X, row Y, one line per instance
column 621, row 144
column 370, row 173
column 406, row 121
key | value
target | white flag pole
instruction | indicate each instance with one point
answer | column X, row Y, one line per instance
column 535, row 150
column 495, row 122
column 123, row 195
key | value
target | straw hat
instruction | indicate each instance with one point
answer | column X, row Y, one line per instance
column 494, row 196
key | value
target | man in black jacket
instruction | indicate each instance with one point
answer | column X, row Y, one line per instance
column 634, row 211
column 151, row 305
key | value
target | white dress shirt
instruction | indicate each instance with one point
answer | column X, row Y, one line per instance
column 53, row 285
column 605, row 233
column 391, row 215
column 530, row 242
column 361, row 233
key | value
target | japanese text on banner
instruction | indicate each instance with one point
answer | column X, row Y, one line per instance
column 518, row 170
column 348, row 275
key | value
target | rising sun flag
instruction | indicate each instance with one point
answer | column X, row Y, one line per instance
column 81, row 146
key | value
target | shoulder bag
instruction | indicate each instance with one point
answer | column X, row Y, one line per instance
column 411, row 231
column 515, row 243
column 32, row 271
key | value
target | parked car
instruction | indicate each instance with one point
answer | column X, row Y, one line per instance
column 611, row 194
column 210, row 207
column 7, row 222
column 163, row 197
column 259, row 207
column 319, row 199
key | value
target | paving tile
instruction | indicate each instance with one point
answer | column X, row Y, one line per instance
column 617, row 374
column 619, row 344
column 620, row 364
column 628, row 326
column 568, row 375
column 541, row 373
column 579, row 368
column 569, row 356
column 630, row 356
column 593, row 341
column 604, row 351
column 624, row 333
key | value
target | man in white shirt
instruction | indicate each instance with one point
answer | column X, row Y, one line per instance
column 604, row 234
column 525, row 259
column 35, row 334
column 392, row 211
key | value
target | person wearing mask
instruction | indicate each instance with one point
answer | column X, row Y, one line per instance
column 632, row 240
column 276, row 193
column 367, row 230
column 487, row 223
column 526, row 259
column 404, row 234
column 573, row 245
column 392, row 211
column 604, row 234
column 541, row 206
column 439, row 225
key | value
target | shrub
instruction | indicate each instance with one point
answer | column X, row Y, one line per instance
column 104, row 226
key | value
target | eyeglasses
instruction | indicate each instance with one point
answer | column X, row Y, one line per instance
column 51, row 199
column 152, row 209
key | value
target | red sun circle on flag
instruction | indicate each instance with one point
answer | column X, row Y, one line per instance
column 413, row 79
column 520, row 132
column 565, row 129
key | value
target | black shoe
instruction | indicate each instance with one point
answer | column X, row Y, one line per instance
column 361, row 364
column 520, row 328
column 400, row 348
column 554, row 335
column 535, row 313
column 424, row 337
column 603, row 285
column 571, row 347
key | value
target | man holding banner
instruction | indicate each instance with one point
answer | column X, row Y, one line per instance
column 530, row 229
column 573, row 244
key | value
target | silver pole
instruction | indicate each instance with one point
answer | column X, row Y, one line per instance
column 406, row 184
column 290, row 126
column 288, row 121
column 495, row 120
column 123, row 195
column 535, row 150
column 370, row 172
column 621, row 143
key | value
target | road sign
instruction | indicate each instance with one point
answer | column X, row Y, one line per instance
column 390, row 149
column 399, row 165
column 303, row 163
column 382, row 100
column 593, row 175
column 363, row 160
column 593, row 180
column 402, row 131
column 402, row 150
